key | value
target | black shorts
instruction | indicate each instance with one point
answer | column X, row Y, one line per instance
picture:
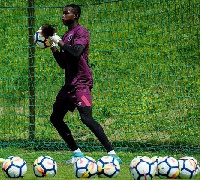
column 77, row 97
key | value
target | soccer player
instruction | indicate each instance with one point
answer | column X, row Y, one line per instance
column 76, row 92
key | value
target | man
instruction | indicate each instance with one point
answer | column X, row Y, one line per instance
column 76, row 93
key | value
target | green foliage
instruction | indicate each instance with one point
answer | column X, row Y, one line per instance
column 145, row 61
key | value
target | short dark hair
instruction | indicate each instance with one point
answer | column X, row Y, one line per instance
column 76, row 9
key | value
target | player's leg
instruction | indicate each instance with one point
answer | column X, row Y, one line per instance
column 64, row 131
column 60, row 108
column 96, row 128
column 83, row 100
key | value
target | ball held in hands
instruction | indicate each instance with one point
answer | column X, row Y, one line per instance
column 47, row 30
column 49, row 33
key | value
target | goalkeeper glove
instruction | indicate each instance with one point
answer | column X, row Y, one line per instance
column 53, row 45
column 55, row 38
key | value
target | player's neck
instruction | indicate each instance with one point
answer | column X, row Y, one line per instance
column 72, row 26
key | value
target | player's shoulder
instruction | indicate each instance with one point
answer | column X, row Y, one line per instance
column 82, row 28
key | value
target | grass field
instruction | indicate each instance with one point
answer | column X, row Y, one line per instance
column 145, row 61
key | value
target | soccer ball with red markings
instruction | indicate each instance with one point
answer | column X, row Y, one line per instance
column 14, row 167
column 188, row 168
column 156, row 160
column 198, row 169
column 85, row 167
column 41, row 41
column 142, row 167
column 108, row 167
column 45, row 166
column 168, row 167
column 195, row 161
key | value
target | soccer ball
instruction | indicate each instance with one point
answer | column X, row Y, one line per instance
column 40, row 40
column 195, row 161
column 108, row 167
column 142, row 167
column 187, row 168
column 140, row 157
column 198, row 169
column 14, row 167
column 85, row 167
column 168, row 167
column 45, row 166
column 156, row 160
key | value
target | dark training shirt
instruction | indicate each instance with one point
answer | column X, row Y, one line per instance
column 77, row 70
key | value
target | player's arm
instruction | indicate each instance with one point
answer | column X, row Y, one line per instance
column 57, row 56
column 59, row 59
column 75, row 50
column 49, row 32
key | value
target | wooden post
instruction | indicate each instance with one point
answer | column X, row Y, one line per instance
column 31, row 49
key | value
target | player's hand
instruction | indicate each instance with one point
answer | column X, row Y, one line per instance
column 53, row 44
column 55, row 38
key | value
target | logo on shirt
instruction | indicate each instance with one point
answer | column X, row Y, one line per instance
column 70, row 37
column 79, row 103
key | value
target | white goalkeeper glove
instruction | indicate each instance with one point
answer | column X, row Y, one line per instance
column 53, row 44
column 55, row 38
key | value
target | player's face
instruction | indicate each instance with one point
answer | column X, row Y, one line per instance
column 68, row 16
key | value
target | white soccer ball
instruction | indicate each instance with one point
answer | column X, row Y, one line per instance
column 108, row 167
column 41, row 41
column 85, row 167
column 14, row 167
column 140, row 157
column 168, row 167
column 198, row 169
column 156, row 160
column 193, row 159
column 142, row 167
column 45, row 166
column 187, row 168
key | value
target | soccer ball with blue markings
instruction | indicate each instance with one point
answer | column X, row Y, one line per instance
column 14, row 167
column 197, row 170
column 142, row 167
column 45, row 166
column 41, row 41
column 108, row 167
column 85, row 167
column 168, row 167
column 188, row 168
column 156, row 160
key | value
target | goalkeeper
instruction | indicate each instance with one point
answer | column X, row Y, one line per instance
column 76, row 92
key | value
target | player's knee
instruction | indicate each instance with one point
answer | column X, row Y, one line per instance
column 55, row 118
column 86, row 117
column 87, row 120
